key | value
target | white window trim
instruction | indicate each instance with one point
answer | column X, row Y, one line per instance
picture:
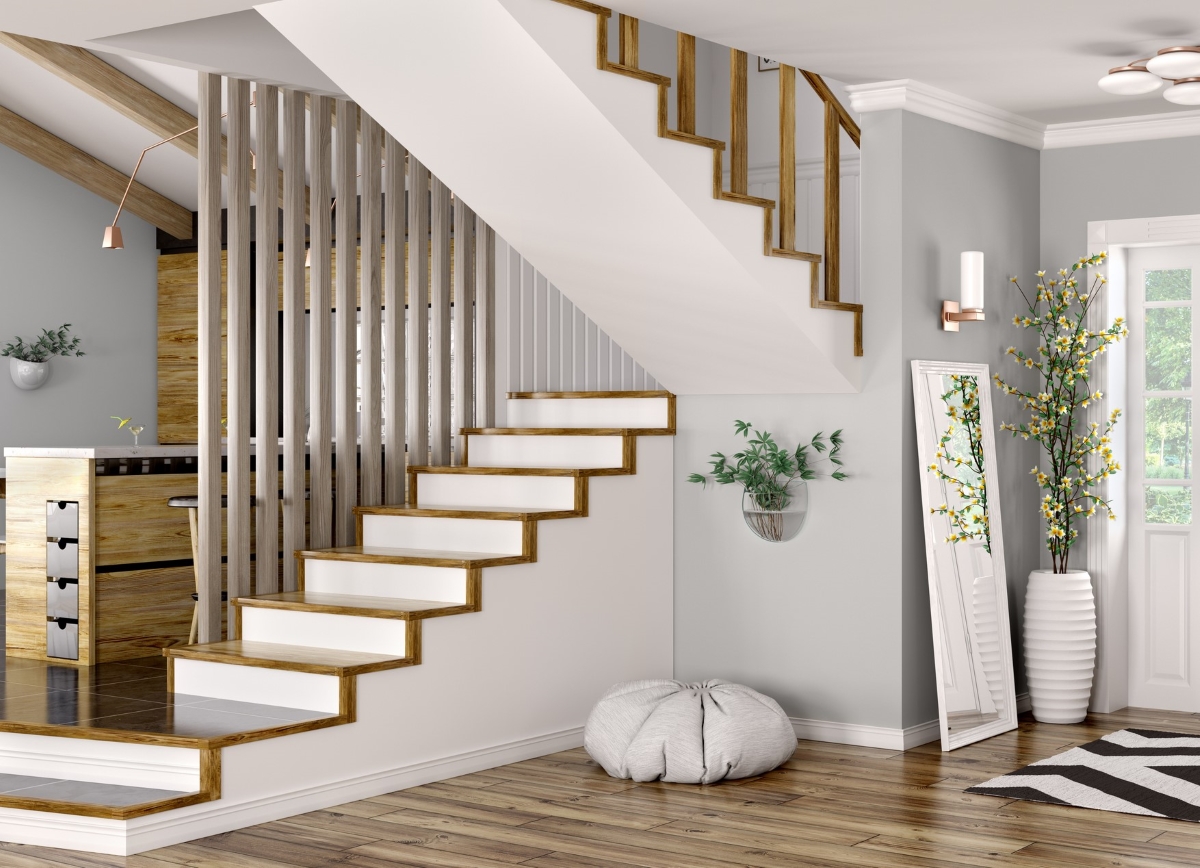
column 1107, row 541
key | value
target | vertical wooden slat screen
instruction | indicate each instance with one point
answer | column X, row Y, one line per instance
column 266, row 398
column 209, row 352
column 418, row 312
column 238, row 373
column 738, row 128
column 371, row 363
column 439, row 323
column 346, row 343
column 485, row 325
column 627, row 41
column 833, row 197
column 320, row 351
column 787, row 157
column 293, row 333
column 464, row 324
column 685, row 93
column 396, row 227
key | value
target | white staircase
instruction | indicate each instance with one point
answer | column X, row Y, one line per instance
column 566, row 161
column 410, row 692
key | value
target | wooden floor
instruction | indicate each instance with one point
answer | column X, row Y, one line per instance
column 830, row 805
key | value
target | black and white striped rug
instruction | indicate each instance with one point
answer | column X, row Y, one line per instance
column 1132, row 771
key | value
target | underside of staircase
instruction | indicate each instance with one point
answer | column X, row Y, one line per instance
column 513, row 680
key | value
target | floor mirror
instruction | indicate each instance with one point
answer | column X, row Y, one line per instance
column 964, row 551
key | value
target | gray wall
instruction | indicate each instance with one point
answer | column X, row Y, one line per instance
column 835, row 624
column 55, row 272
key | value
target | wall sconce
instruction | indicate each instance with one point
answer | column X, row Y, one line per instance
column 969, row 307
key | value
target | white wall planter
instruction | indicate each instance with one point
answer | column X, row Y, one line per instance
column 28, row 375
column 1060, row 644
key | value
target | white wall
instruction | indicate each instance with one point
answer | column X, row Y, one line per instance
column 55, row 273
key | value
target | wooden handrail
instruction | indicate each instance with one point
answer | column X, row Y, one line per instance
column 822, row 89
column 627, row 47
column 739, row 151
column 685, row 91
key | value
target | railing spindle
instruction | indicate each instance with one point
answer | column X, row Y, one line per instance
column 739, row 169
column 345, row 361
column 464, row 324
column 685, row 85
column 294, row 207
column 266, row 396
column 418, row 312
column 833, row 197
column 439, row 323
column 370, row 359
column 394, row 302
column 485, row 324
column 320, row 327
column 787, row 157
column 627, row 44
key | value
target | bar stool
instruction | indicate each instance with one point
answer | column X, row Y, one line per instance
column 192, row 504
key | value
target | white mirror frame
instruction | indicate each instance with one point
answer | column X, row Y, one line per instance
column 927, row 439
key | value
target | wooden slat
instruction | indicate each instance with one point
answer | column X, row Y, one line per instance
column 294, row 429
column 787, row 157
column 822, row 90
column 371, row 363
column 65, row 159
column 627, row 34
column 464, row 325
column 345, row 363
column 685, row 93
column 485, row 324
column 418, row 312
column 320, row 341
column 394, row 294
column 118, row 91
column 833, row 199
column 209, row 400
column 739, row 134
column 238, row 376
column 266, row 301
column 439, row 322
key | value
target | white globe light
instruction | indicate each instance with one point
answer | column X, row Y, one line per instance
column 1186, row 92
column 1129, row 81
column 1179, row 62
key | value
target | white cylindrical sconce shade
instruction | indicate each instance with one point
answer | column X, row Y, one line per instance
column 971, row 281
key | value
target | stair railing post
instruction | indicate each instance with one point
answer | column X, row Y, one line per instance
column 685, row 85
column 627, row 45
column 266, row 396
column 738, row 128
column 418, row 312
column 345, row 356
column 485, row 325
column 395, row 303
column 787, row 157
column 320, row 326
column 439, row 322
column 372, row 315
column 833, row 196
column 464, row 325
column 294, row 367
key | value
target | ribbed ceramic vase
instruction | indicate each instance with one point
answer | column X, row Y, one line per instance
column 1060, row 644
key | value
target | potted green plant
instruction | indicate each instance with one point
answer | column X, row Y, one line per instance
column 774, row 480
column 29, row 363
column 1060, row 611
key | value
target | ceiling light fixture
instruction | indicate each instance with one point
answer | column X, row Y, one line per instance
column 1179, row 65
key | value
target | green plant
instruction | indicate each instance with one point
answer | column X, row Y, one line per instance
column 960, row 463
column 764, row 469
column 1059, row 315
column 52, row 342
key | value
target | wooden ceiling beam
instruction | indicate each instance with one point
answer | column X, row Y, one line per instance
column 65, row 159
column 118, row 91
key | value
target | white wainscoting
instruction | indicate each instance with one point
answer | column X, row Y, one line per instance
column 546, row 343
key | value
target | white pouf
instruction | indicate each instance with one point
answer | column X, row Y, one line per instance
column 687, row 733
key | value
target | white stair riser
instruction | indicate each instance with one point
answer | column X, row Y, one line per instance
column 515, row 492
column 587, row 413
column 101, row 762
column 256, row 684
column 322, row 630
column 529, row 450
column 400, row 581
column 442, row 534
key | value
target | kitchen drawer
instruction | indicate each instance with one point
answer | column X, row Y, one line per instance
column 62, row 519
column 62, row 559
column 62, row 639
column 62, row 599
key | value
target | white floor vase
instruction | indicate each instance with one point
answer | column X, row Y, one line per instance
column 1060, row 644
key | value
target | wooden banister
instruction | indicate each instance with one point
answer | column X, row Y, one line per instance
column 787, row 157
column 739, row 152
column 627, row 49
column 685, row 89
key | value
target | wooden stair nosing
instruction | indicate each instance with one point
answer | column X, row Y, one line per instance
column 468, row 470
column 266, row 655
column 104, row 812
column 814, row 258
column 355, row 554
column 693, row 139
column 492, row 514
column 360, row 607
column 632, row 393
column 639, row 74
column 747, row 199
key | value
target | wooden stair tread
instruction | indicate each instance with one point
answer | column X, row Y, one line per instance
column 426, row 557
column 693, row 139
column 459, row 470
column 295, row 658
column 499, row 513
column 796, row 254
column 639, row 74
column 651, row 393
column 553, row 432
column 88, row 799
column 747, row 199
column 352, row 604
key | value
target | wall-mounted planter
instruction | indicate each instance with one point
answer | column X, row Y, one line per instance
column 28, row 375
column 778, row 525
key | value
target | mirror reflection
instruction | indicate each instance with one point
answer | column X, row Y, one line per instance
column 967, row 589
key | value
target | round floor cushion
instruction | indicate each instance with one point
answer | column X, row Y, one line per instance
column 687, row 733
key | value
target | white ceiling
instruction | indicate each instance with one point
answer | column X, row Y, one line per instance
column 1036, row 58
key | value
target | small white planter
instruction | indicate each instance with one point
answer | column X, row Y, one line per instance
column 1060, row 644
column 28, row 375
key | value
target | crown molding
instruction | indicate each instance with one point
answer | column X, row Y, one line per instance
column 944, row 106
column 951, row 108
column 1172, row 125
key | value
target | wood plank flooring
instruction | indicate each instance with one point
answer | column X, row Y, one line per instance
column 830, row 805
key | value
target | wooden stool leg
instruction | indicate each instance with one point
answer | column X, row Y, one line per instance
column 194, row 522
